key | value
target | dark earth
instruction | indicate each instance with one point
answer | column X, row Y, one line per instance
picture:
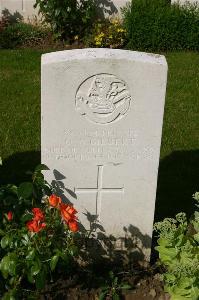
column 146, row 284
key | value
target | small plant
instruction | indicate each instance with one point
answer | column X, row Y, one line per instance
column 37, row 235
column 113, row 288
column 178, row 247
column 108, row 34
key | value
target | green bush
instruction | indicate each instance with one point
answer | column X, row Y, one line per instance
column 68, row 18
column 37, row 237
column 21, row 34
column 156, row 25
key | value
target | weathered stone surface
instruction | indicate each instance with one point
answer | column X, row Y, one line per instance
column 102, row 113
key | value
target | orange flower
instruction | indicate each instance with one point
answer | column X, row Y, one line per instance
column 38, row 214
column 10, row 215
column 35, row 226
column 54, row 200
column 67, row 212
column 73, row 225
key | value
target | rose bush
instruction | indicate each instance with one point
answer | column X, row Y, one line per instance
column 37, row 236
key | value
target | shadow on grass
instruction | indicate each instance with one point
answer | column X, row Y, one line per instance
column 177, row 182
column 15, row 168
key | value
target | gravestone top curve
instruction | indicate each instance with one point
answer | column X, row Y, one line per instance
column 90, row 53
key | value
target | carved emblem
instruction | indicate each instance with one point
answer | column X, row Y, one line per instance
column 103, row 98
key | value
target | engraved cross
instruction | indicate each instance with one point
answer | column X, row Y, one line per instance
column 99, row 190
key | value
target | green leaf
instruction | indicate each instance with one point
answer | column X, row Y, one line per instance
column 73, row 250
column 35, row 269
column 53, row 262
column 125, row 286
column 5, row 241
column 8, row 265
column 167, row 254
column 9, row 296
column 4, row 266
column 13, row 188
column 1, row 232
column 25, row 239
column 40, row 279
column 25, row 190
column 116, row 296
column 26, row 217
column 102, row 295
column 12, row 267
column 196, row 237
column 31, row 254
column 115, row 281
column 30, row 278
column 41, row 167
column 164, row 242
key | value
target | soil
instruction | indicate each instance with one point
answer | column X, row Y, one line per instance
column 146, row 285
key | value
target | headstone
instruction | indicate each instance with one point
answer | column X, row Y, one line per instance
column 102, row 114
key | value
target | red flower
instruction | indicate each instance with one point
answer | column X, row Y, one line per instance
column 38, row 214
column 54, row 200
column 67, row 212
column 73, row 225
column 35, row 226
column 10, row 215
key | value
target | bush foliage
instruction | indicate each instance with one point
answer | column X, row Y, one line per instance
column 21, row 34
column 68, row 18
column 156, row 25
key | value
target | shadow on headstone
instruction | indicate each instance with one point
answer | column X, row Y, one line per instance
column 101, row 249
column 105, row 8
column 11, row 18
column 177, row 182
column 16, row 167
column 96, row 246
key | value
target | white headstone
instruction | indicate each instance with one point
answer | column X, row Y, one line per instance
column 102, row 114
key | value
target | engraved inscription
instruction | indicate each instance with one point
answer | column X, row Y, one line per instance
column 101, row 144
column 99, row 190
column 103, row 98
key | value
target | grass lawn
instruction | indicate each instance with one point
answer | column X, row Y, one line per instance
column 20, row 125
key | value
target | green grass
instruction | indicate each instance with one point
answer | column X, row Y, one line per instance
column 20, row 125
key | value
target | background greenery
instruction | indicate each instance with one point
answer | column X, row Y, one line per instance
column 156, row 25
column 20, row 125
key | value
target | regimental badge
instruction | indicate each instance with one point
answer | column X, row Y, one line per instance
column 103, row 98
